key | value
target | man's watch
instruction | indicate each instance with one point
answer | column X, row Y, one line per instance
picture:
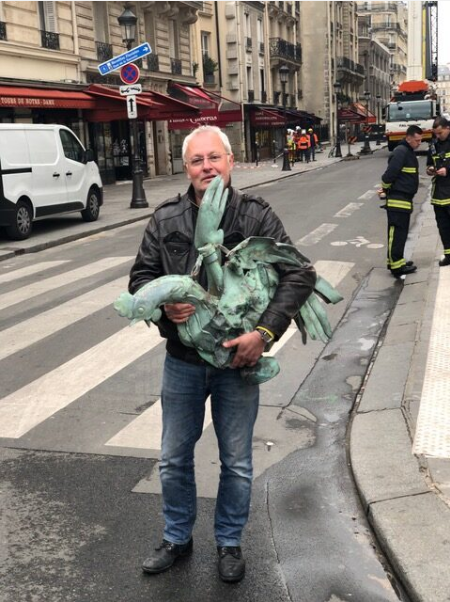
column 265, row 334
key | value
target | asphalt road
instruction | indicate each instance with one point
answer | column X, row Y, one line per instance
column 79, row 426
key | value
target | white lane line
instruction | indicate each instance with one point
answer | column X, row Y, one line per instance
column 29, row 270
column 316, row 235
column 44, row 286
column 367, row 195
column 348, row 210
column 432, row 437
column 144, row 432
column 43, row 325
column 29, row 406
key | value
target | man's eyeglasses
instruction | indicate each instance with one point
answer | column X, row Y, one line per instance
column 213, row 158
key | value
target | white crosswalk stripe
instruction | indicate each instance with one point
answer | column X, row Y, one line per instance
column 30, row 331
column 316, row 235
column 30, row 270
column 22, row 294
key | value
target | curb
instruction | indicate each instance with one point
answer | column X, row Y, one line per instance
column 411, row 522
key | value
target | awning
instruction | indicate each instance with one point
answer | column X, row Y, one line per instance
column 214, row 109
column 44, row 98
column 363, row 112
column 270, row 117
column 152, row 106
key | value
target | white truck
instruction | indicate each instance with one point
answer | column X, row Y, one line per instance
column 44, row 171
column 415, row 103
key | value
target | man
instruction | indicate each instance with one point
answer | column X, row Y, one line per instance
column 400, row 183
column 313, row 141
column 167, row 248
column 303, row 146
column 438, row 166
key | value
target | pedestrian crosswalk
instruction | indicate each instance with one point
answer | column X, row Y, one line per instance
column 96, row 374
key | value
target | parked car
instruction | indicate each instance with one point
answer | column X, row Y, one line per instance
column 45, row 171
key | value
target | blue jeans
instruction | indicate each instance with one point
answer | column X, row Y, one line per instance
column 234, row 407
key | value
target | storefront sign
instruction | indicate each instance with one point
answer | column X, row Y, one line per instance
column 266, row 118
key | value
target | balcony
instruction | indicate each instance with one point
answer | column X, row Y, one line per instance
column 292, row 101
column 284, row 50
column 276, row 98
column 2, row 31
column 248, row 43
column 263, row 96
column 153, row 62
column 349, row 71
column 399, row 68
column 261, row 48
column 285, row 99
column 50, row 40
column 104, row 51
column 175, row 66
column 299, row 94
column 251, row 95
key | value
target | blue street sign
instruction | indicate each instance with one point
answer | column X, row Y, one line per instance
column 123, row 59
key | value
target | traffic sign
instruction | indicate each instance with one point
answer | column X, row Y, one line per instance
column 123, row 59
column 129, row 74
column 133, row 89
column 131, row 107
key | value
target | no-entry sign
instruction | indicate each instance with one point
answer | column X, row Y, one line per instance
column 129, row 74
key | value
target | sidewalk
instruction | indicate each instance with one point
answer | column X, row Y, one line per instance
column 406, row 497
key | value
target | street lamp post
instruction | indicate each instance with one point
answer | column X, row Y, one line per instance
column 127, row 22
column 284, row 77
column 366, row 150
column 378, row 119
column 337, row 90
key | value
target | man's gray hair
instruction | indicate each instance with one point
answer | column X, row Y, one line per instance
column 200, row 130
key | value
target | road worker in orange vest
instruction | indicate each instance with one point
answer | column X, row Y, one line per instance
column 303, row 146
column 314, row 142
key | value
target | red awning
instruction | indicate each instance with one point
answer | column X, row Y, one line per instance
column 367, row 116
column 44, row 98
column 347, row 115
column 152, row 106
column 214, row 109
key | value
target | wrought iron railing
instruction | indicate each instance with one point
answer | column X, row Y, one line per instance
column 2, row 30
column 344, row 62
column 251, row 95
column 283, row 49
column 261, row 47
column 248, row 43
column 50, row 40
column 175, row 66
column 263, row 96
column 104, row 51
column 153, row 62
column 276, row 97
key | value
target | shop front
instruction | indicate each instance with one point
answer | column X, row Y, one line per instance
column 213, row 110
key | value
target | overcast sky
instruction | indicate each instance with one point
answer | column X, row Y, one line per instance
column 443, row 32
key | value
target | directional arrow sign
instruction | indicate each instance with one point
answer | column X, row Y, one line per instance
column 132, row 89
column 131, row 107
column 123, row 59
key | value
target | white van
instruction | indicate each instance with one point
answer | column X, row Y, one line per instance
column 44, row 171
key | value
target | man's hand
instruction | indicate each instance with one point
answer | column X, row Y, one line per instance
column 442, row 172
column 250, row 347
column 431, row 171
column 179, row 312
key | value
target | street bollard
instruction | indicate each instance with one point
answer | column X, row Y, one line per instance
column 286, row 165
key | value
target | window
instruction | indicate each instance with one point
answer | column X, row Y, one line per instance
column 173, row 39
column 206, row 44
column 150, row 29
column 262, row 80
column 100, row 11
column 47, row 16
column 247, row 29
column 72, row 148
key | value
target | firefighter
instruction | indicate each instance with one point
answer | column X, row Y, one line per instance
column 438, row 166
column 400, row 182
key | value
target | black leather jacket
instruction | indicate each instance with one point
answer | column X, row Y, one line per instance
column 168, row 248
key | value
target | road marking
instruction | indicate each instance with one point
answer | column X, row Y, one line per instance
column 348, row 210
column 432, row 436
column 25, row 293
column 30, row 331
column 30, row 270
column 29, row 406
column 367, row 195
column 145, row 431
column 316, row 235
